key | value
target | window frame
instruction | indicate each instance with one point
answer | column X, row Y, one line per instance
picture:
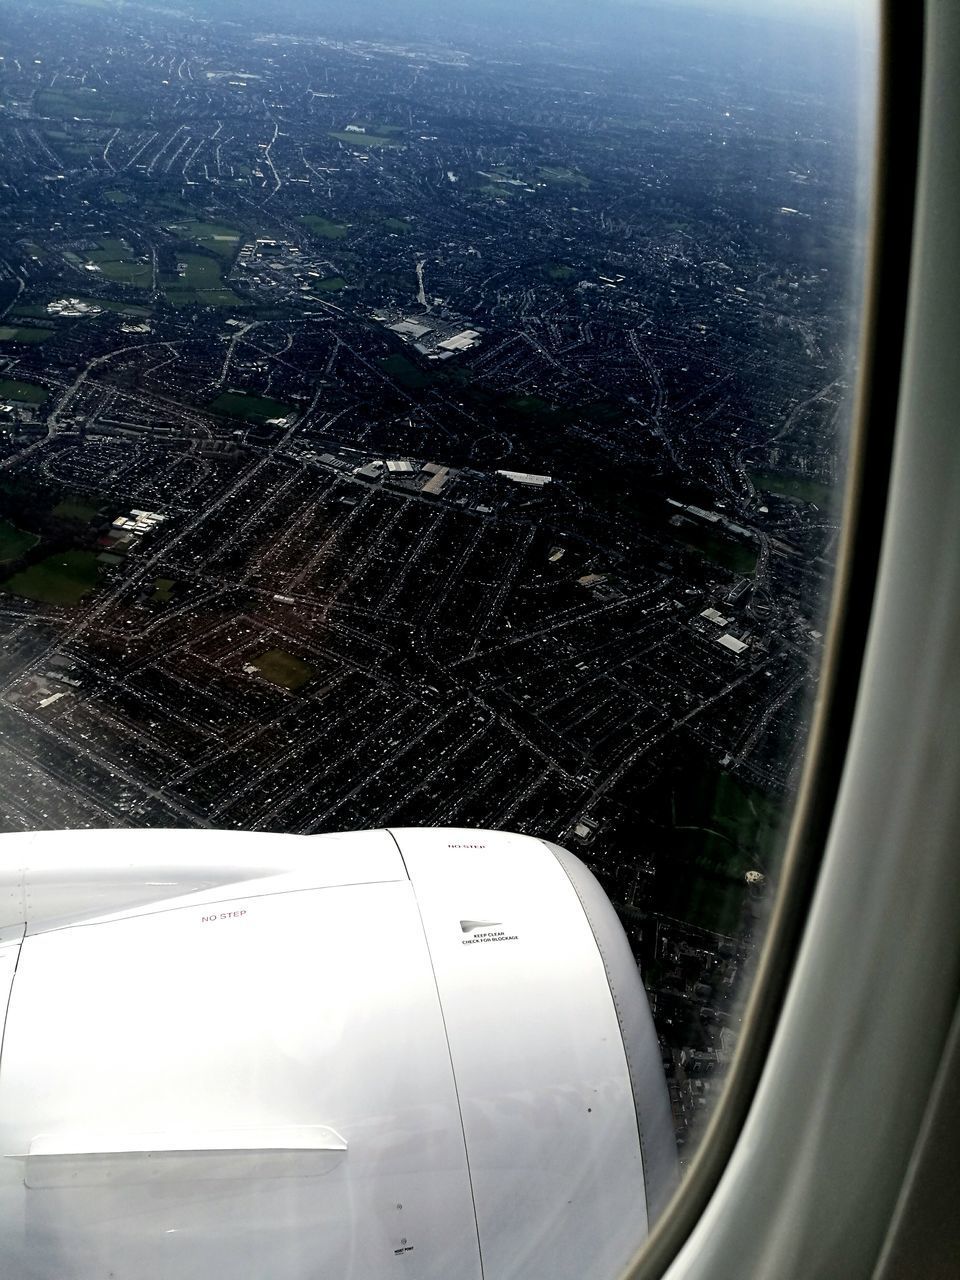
column 888, row 260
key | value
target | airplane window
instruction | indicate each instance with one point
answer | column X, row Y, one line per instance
column 434, row 417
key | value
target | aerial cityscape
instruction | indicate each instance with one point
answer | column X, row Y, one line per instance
column 425, row 432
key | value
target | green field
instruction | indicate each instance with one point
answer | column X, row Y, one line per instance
column 406, row 373
column 802, row 488
column 162, row 589
column 81, row 152
column 216, row 236
column 85, row 102
column 76, row 509
column 200, row 283
column 564, row 177
column 332, row 284
column 529, row 404
column 283, row 669
column 365, row 139
column 397, row 224
column 120, row 197
column 560, row 271
column 715, row 829
column 25, row 334
column 122, row 308
column 25, row 392
column 118, row 262
column 162, row 206
column 738, row 557
column 14, row 542
column 30, row 311
column 236, row 404
column 324, row 227
column 63, row 578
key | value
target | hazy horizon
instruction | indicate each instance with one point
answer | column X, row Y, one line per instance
column 556, row 17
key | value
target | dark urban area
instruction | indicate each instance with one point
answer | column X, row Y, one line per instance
column 435, row 431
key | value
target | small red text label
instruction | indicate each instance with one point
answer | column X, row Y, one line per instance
column 223, row 915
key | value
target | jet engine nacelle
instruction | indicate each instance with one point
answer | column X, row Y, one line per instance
column 290, row 1057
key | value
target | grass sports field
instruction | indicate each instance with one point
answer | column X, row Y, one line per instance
column 118, row 262
column 24, row 392
column 26, row 333
column 216, row 236
column 200, row 282
column 63, row 578
column 283, row 669
column 14, row 542
column 236, row 404
column 324, row 227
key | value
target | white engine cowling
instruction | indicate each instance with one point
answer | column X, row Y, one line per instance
column 390, row 1052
